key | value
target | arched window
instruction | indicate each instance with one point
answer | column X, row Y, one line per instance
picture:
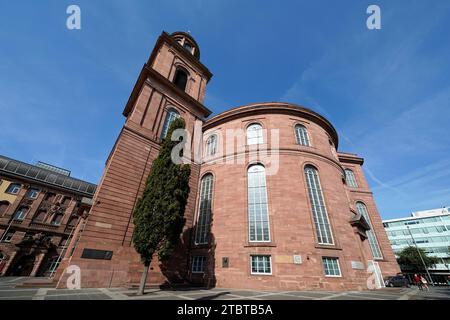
column 211, row 145
column 204, row 211
column 319, row 211
column 171, row 115
column 180, row 79
column 350, row 178
column 258, row 213
column 302, row 135
column 21, row 213
column 255, row 134
column 373, row 243
column 3, row 207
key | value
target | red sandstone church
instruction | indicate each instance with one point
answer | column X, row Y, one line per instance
column 282, row 211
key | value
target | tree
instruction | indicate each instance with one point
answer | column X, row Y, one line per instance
column 159, row 214
column 409, row 258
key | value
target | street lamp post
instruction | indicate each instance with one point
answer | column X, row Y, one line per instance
column 420, row 255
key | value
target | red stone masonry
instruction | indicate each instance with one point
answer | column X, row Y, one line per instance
column 292, row 232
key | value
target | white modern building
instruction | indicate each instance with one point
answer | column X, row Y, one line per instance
column 430, row 230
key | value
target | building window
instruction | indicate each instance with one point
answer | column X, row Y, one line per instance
column 261, row 264
column 172, row 114
column 198, row 264
column 319, row 211
column 373, row 243
column 13, row 188
column 56, row 221
column 50, row 197
column 331, row 267
column 40, row 216
column 187, row 46
column 32, row 193
column 204, row 212
column 9, row 236
column 21, row 213
column 255, row 134
column 211, row 145
column 3, row 207
column 180, row 79
column 258, row 215
column 302, row 135
column 350, row 178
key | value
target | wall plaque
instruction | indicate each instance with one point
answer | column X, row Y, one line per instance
column 225, row 262
column 357, row 265
column 297, row 259
column 96, row 254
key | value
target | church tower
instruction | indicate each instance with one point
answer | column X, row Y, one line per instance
column 171, row 84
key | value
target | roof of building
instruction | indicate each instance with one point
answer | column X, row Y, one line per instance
column 272, row 107
column 15, row 168
column 423, row 215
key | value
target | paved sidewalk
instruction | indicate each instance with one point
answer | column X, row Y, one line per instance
column 8, row 291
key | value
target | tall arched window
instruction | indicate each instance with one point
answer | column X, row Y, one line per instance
column 171, row 115
column 350, row 178
column 373, row 243
column 204, row 211
column 302, row 135
column 180, row 79
column 255, row 134
column 319, row 211
column 211, row 145
column 258, row 213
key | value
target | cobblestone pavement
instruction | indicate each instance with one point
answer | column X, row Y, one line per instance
column 8, row 291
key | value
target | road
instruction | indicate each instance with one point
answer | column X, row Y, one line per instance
column 8, row 291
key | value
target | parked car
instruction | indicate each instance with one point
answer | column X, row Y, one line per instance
column 397, row 281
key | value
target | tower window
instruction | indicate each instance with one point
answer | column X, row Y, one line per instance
column 350, row 178
column 204, row 212
column 172, row 114
column 373, row 243
column 188, row 46
column 302, row 135
column 254, row 134
column 319, row 211
column 13, row 188
column 258, row 214
column 180, row 79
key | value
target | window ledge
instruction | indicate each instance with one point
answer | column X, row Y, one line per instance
column 259, row 244
column 324, row 246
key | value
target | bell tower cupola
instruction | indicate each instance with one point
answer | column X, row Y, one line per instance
column 171, row 84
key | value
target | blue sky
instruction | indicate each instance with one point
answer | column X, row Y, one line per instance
column 386, row 91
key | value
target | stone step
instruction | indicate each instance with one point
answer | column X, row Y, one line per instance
column 37, row 283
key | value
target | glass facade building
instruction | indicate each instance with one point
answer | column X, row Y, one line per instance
column 429, row 230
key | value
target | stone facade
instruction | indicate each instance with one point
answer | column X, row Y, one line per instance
column 172, row 83
column 39, row 212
